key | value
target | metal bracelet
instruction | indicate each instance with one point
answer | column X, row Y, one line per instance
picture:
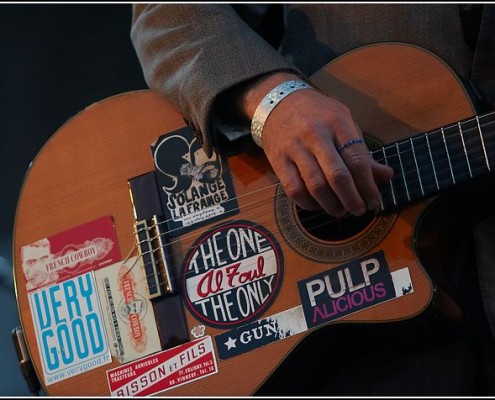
column 269, row 102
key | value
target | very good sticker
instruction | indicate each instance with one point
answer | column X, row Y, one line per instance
column 69, row 328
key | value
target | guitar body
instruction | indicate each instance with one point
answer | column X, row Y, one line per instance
column 82, row 172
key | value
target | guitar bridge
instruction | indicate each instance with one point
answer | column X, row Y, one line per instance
column 151, row 245
column 150, row 235
column 158, row 263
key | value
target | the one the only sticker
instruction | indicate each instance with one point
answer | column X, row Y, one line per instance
column 164, row 370
column 232, row 274
column 351, row 287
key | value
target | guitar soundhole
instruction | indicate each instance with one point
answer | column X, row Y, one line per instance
column 320, row 237
column 325, row 239
column 327, row 228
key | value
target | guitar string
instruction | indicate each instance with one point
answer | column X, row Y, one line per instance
column 399, row 186
column 248, row 209
column 413, row 172
column 168, row 245
column 460, row 159
column 316, row 215
column 133, row 248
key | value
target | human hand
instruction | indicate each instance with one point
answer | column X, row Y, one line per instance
column 301, row 139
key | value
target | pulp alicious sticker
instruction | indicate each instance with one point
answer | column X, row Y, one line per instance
column 69, row 328
column 164, row 370
column 194, row 188
column 62, row 256
column 232, row 274
column 129, row 317
column 351, row 287
column 325, row 297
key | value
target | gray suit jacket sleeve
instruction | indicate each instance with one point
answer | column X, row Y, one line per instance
column 191, row 53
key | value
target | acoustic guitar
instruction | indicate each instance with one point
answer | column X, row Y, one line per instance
column 236, row 274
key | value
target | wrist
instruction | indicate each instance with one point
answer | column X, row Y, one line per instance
column 257, row 89
column 269, row 102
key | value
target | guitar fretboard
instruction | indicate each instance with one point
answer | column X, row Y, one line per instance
column 430, row 162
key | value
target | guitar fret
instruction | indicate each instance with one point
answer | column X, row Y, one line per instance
column 416, row 165
column 487, row 123
column 440, row 160
column 397, row 183
column 410, row 169
column 425, row 169
column 432, row 162
column 403, row 173
column 386, row 192
column 461, row 133
column 483, row 143
column 448, row 155
column 475, row 146
column 458, row 161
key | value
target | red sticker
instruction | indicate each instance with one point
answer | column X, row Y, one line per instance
column 165, row 370
column 67, row 254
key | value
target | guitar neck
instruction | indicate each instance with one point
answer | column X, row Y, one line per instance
column 431, row 162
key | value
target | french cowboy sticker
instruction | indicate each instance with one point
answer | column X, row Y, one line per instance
column 232, row 274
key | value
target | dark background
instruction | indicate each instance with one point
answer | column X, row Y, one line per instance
column 55, row 61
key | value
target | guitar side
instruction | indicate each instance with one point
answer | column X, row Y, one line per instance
column 82, row 172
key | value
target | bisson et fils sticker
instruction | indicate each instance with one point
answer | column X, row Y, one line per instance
column 164, row 370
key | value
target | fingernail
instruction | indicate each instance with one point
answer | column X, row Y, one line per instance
column 375, row 206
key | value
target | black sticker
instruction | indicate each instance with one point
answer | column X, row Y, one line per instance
column 194, row 189
column 232, row 274
column 260, row 333
column 346, row 289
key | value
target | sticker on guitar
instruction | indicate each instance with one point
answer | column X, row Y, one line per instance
column 129, row 319
column 56, row 258
column 164, row 370
column 232, row 274
column 194, row 188
column 351, row 287
column 325, row 297
column 69, row 328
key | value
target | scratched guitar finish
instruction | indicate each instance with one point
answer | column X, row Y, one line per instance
column 247, row 311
